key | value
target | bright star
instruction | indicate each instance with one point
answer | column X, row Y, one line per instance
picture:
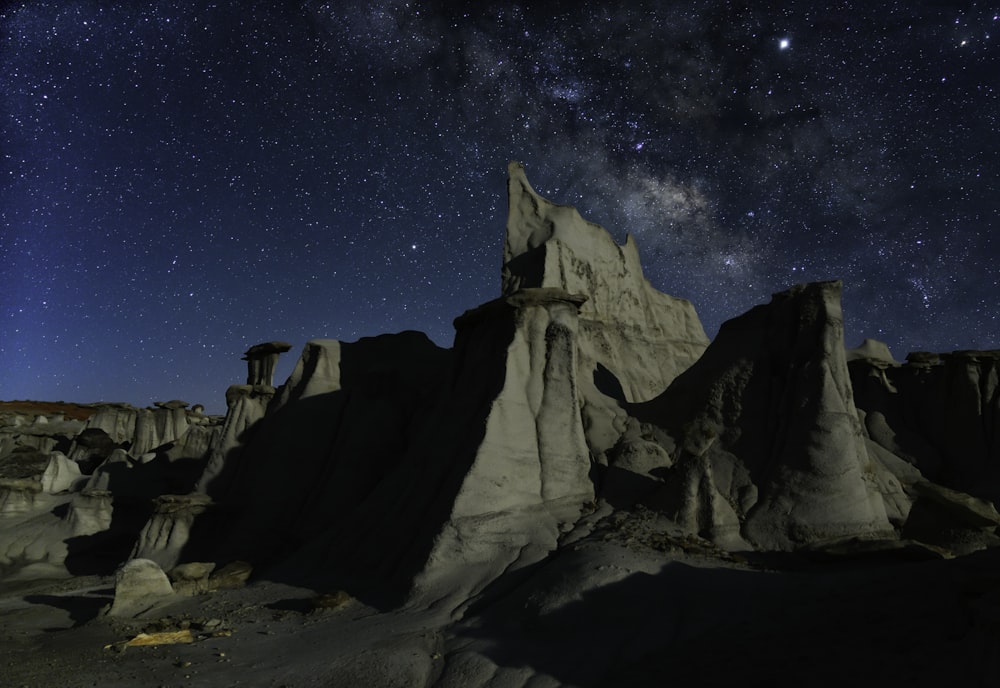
column 784, row 44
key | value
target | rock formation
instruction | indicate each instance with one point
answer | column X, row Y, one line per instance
column 642, row 337
column 164, row 536
column 261, row 360
column 83, row 488
column 578, row 402
column 139, row 585
column 770, row 448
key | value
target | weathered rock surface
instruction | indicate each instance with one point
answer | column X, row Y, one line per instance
column 643, row 337
column 246, row 405
column 139, row 585
column 235, row 574
column 191, row 578
column 261, row 360
column 770, row 442
column 90, row 512
column 437, row 471
column 529, row 475
column 166, row 533
column 939, row 412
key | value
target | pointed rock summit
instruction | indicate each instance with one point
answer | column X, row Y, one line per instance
column 644, row 337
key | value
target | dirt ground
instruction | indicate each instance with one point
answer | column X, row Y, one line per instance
column 597, row 614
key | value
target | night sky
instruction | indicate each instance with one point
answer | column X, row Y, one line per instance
column 182, row 180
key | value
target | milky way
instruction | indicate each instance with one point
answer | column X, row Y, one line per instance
column 182, row 180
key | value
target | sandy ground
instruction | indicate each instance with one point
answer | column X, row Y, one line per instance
column 265, row 634
column 599, row 613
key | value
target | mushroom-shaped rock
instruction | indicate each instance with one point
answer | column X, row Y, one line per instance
column 261, row 359
column 871, row 349
column 139, row 585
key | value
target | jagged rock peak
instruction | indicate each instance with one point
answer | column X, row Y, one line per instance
column 643, row 336
column 551, row 245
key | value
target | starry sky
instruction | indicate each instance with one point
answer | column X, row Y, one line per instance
column 181, row 180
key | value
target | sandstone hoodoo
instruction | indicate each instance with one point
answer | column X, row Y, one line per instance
column 261, row 360
column 581, row 446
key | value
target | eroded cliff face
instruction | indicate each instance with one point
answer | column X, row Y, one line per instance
column 770, row 449
column 528, row 474
column 422, row 474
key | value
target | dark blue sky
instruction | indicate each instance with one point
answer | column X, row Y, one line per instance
column 182, row 180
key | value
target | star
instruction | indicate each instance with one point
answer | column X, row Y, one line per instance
column 360, row 162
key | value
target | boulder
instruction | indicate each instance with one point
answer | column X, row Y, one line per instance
column 191, row 578
column 235, row 574
column 140, row 584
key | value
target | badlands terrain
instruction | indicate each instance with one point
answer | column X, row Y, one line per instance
column 582, row 491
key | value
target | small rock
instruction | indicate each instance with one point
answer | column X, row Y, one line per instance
column 232, row 575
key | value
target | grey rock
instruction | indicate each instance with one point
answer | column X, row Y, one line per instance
column 171, row 405
column 140, row 584
column 191, row 578
column 644, row 338
column 768, row 432
column 166, row 533
column 235, row 574
column 90, row 512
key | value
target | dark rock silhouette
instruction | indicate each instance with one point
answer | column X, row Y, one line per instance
column 261, row 360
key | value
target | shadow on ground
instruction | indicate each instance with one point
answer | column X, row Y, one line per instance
column 81, row 608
